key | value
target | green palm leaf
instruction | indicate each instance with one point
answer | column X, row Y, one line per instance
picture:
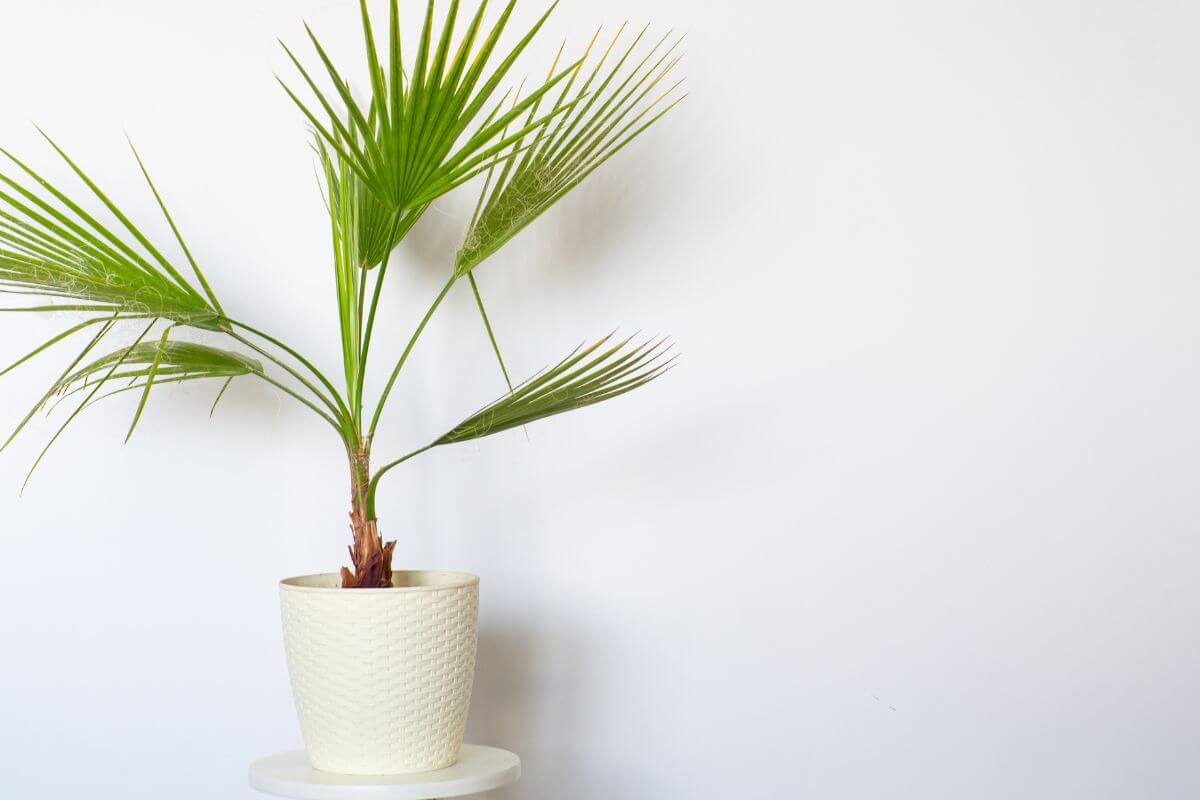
column 610, row 108
column 164, row 358
column 50, row 246
column 583, row 378
column 588, row 375
column 148, row 362
column 367, row 228
column 424, row 131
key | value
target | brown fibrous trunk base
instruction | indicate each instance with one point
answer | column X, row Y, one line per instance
column 371, row 556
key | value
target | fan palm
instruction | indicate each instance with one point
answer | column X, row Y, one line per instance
column 430, row 124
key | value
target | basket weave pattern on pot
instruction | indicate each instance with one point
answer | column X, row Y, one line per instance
column 382, row 677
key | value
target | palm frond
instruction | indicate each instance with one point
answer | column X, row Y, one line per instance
column 50, row 246
column 147, row 364
column 163, row 361
column 165, row 358
column 602, row 114
column 105, row 329
column 143, row 364
column 62, row 335
column 367, row 228
column 424, row 131
column 588, row 375
column 345, row 198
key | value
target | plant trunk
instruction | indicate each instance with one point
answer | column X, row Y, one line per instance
column 371, row 556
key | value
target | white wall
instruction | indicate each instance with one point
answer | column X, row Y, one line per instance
column 915, row 518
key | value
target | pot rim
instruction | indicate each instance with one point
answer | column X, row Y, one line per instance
column 327, row 582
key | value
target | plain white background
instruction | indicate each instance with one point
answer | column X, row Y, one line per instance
column 915, row 518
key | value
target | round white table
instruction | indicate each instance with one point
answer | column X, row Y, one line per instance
column 478, row 769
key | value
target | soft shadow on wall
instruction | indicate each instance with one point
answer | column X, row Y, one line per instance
column 529, row 686
column 534, row 674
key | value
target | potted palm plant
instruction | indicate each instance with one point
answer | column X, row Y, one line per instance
column 381, row 660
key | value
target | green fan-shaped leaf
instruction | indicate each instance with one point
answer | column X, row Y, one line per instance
column 149, row 362
column 611, row 107
column 424, row 131
column 50, row 246
column 165, row 358
column 146, row 364
column 588, row 375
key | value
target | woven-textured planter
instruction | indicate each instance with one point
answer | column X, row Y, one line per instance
column 382, row 677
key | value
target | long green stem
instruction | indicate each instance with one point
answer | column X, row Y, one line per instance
column 295, row 374
column 344, row 411
column 354, row 381
column 408, row 349
column 282, row 387
column 488, row 325
column 400, row 228
column 366, row 336
column 375, row 481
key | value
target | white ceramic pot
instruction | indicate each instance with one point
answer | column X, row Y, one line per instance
column 382, row 677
